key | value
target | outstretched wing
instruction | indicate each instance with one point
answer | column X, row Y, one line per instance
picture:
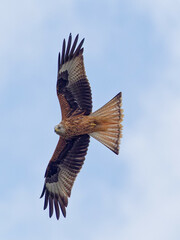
column 73, row 89
column 61, row 172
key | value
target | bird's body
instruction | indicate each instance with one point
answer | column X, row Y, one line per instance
column 77, row 125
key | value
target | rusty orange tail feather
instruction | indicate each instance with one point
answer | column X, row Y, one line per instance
column 108, row 120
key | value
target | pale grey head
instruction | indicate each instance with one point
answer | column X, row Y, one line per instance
column 59, row 129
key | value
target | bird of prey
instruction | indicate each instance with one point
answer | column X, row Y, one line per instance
column 77, row 125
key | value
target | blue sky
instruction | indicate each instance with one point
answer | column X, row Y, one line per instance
column 130, row 46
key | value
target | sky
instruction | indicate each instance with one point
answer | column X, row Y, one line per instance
column 130, row 46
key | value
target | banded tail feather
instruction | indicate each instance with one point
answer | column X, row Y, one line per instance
column 109, row 127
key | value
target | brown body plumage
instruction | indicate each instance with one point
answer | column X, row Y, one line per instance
column 77, row 125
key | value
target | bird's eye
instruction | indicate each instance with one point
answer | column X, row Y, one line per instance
column 59, row 127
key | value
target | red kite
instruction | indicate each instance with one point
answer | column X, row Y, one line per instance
column 77, row 125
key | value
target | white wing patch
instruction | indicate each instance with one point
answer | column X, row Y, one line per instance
column 75, row 68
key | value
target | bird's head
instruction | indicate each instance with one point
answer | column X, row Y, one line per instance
column 59, row 129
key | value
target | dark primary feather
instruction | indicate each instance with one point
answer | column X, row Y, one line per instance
column 56, row 206
column 73, row 47
column 63, row 51
column 50, row 206
column 76, row 53
column 68, row 47
column 59, row 60
column 62, row 170
column 65, row 55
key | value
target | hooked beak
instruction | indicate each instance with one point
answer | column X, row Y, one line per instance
column 56, row 129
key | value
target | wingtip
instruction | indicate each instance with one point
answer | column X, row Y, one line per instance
column 59, row 61
column 56, row 206
column 43, row 191
column 50, row 206
column 82, row 41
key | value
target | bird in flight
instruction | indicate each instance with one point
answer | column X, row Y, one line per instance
column 77, row 125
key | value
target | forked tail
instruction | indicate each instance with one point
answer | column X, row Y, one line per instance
column 108, row 123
